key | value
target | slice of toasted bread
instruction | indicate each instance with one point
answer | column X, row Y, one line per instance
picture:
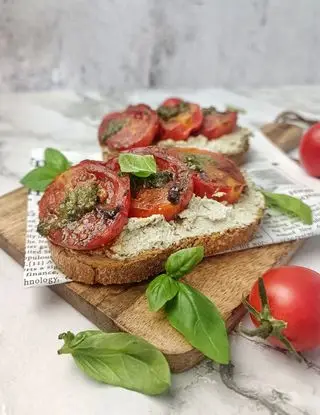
column 234, row 146
column 130, row 259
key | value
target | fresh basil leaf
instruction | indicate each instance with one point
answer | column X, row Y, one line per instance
column 183, row 261
column 38, row 179
column 199, row 321
column 160, row 290
column 119, row 359
column 232, row 108
column 289, row 204
column 71, row 340
column 140, row 166
column 55, row 160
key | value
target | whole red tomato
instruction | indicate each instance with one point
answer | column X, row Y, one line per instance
column 310, row 150
column 293, row 295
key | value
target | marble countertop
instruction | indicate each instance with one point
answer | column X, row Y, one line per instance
column 35, row 380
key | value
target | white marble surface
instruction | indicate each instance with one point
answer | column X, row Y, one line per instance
column 302, row 98
column 35, row 380
column 106, row 44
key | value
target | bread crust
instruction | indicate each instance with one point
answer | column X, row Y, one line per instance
column 239, row 158
column 96, row 268
column 88, row 268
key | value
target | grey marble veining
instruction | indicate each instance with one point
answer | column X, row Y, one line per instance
column 108, row 44
column 263, row 381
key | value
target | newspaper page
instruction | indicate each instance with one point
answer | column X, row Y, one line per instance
column 277, row 227
column 39, row 269
column 271, row 170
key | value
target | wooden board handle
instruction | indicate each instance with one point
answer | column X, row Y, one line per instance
column 287, row 129
column 291, row 117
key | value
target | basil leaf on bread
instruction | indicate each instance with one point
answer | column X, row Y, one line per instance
column 138, row 165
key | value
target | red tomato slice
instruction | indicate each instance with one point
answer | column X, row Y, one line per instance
column 178, row 119
column 167, row 193
column 134, row 127
column 216, row 124
column 85, row 208
column 214, row 175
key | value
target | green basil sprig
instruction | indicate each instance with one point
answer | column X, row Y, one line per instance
column 119, row 359
column 187, row 310
column 160, row 290
column 138, row 165
column 39, row 178
column 199, row 321
column 56, row 160
column 183, row 261
column 289, row 205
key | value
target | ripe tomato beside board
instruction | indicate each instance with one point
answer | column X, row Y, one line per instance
column 310, row 150
column 137, row 126
column 178, row 119
column 293, row 295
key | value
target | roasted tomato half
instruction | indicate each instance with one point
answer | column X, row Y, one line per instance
column 178, row 119
column 214, row 175
column 216, row 124
column 134, row 127
column 86, row 207
column 166, row 192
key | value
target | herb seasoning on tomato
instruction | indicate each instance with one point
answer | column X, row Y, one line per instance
column 178, row 119
column 134, row 127
column 214, row 176
column 85, row 207
column 166, row 192
column 216, row 124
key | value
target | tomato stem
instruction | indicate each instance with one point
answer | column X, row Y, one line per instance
column 251, row 309
column 269, row 326
column 263, row 331
column 264, row 299
column 289, row 346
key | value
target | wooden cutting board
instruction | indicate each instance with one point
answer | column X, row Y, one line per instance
column 225, row 279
